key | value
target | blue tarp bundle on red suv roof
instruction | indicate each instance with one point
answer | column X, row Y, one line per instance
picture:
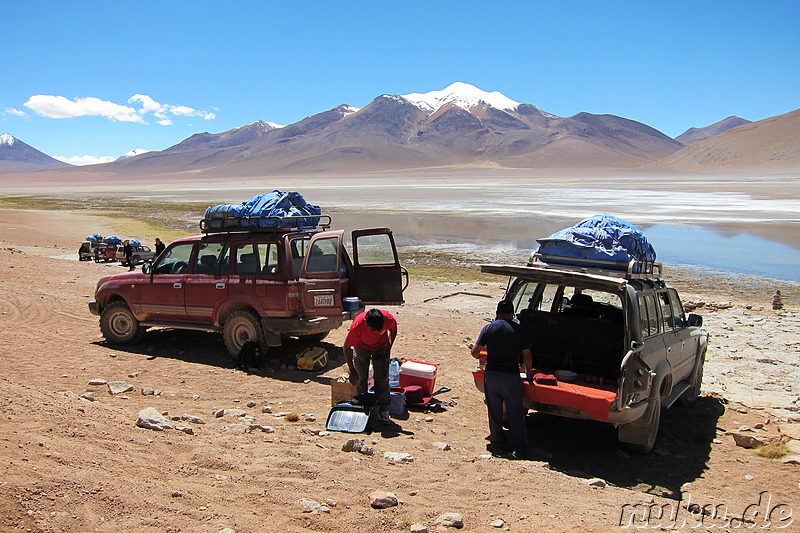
column 598, row 238
column 258, row 210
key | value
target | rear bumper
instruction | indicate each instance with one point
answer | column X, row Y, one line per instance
column 574, row 400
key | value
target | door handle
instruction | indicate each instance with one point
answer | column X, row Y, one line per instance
column 220, row 285
column 177, row 285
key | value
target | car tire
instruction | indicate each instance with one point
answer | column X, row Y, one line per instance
column 119, row 325
column 241, row 327
column 693, row 392
column 136, row 259
column 646, row 433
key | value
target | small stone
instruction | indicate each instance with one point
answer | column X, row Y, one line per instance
column 186, row 429
column 150, row 418
column 367, row 450
column 266, row 409
column 251, row 403
column 218, row 413
column 450, row 520
column 98, row 381
column 443, row 446
column 352, row 445
column 419, row 528
column 192, row 419
column 497, row 523
column 88, row 396
column 596, row 482
column 118, row 387
column 382, row 500
column 308, row 505
column 397, row 457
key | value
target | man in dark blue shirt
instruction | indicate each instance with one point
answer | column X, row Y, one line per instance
column 505, row 343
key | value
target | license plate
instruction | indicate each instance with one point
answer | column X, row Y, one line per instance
column 323, row 300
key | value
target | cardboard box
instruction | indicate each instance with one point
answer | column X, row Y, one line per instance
column 342, row 391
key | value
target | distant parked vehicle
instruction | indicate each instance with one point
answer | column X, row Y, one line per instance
column 105, row 252
column 141, row 253
column 86, row 251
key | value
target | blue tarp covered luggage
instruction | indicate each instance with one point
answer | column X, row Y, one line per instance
column 599, row 238
column 112, row 240
column 260, row 212
column 94, row 238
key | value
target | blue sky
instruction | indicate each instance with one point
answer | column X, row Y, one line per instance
column 70, row 70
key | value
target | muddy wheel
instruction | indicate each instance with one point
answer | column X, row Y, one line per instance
column 241, row 327
column 119, row 325
column 693, row 392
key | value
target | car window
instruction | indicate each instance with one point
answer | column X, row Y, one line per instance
column 175, row 260
column 648, row 315
column 667, row 318
column 523, row 298
column 323, row 255
column 375, row 250
column 210, row 258
column 257, row 258
column 678, row 317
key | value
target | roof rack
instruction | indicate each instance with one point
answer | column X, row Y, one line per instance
column 265, row 224
column 633, row 269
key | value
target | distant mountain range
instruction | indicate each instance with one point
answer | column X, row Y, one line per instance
column 460, row 126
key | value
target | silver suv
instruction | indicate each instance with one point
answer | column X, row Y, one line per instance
column 617, row 342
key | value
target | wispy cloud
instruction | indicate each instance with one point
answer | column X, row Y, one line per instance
column 82, row 160
column 53, row 106
column 16, row 112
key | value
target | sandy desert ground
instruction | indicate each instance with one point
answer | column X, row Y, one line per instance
column 74, row 460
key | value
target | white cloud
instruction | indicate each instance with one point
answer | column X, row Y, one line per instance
column 82, row 160
column 52, row 106
column 16, row 112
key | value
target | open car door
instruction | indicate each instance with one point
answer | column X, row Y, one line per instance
column 321, row 275
column 376, row 268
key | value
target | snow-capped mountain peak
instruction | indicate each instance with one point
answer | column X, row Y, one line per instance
column 132, row 153
column 462, row 95
column 6, row 139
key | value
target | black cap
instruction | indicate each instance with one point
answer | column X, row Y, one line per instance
column 505, row 307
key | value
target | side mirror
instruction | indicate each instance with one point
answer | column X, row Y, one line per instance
column 147, row 268
column 695, row 320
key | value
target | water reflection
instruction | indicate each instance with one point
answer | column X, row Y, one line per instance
column 484, row 233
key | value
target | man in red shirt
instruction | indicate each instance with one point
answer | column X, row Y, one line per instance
column 371, row 335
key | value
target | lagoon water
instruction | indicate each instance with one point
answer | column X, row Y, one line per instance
column 717, row 231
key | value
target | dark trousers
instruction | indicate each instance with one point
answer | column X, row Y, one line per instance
column 503, row 389
column 380, row 374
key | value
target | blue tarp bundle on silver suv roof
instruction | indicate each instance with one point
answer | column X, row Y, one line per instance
column 601, row 238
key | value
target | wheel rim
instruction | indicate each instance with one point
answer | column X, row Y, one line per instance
column 242, row 333
column 121, row 324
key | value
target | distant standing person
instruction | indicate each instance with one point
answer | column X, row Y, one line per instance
column 159, row 246
column 127, row 251
column 505, row 342
column 371, row 337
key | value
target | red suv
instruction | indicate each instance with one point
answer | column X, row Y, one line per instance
column 259, row 284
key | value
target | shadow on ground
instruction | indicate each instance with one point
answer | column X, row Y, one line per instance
column 590, row 449
column 209, row 349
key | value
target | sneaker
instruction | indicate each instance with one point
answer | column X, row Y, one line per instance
column 383, row 417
